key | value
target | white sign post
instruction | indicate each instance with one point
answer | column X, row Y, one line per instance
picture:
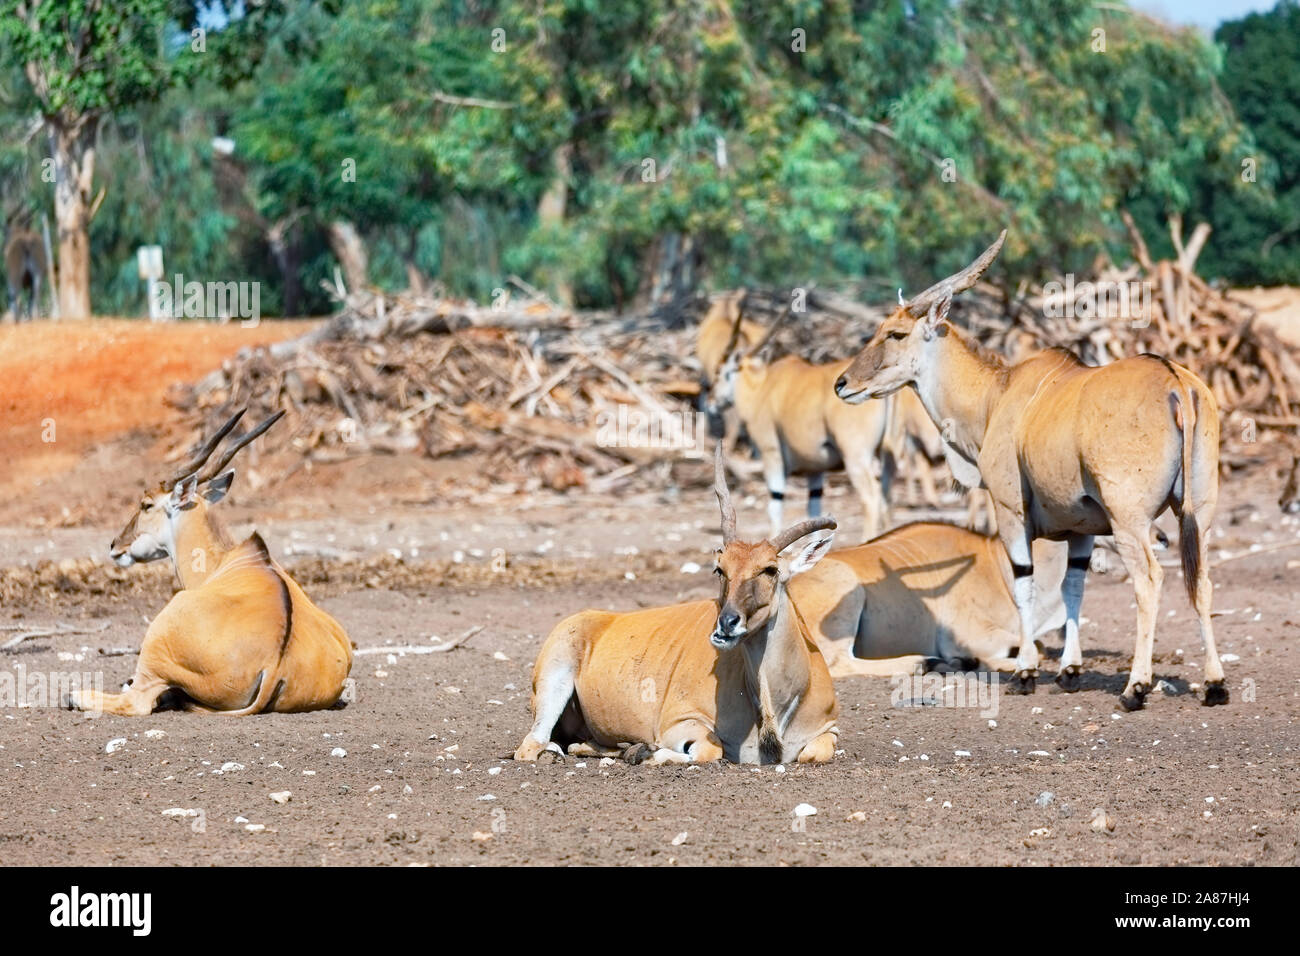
column 149, row 264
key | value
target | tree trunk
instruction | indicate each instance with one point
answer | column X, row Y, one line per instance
column 74, row 175
column 550, row 211
column 415, row 279
column 283, row 239
column 667, row 270
column 349, row 249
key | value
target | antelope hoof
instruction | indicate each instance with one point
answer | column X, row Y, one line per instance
column 1134, row 697
column 1216, row 693
column 638, row 753
column 1023, row 682
column 1070, row 678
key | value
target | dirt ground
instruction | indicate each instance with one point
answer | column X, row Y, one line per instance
column 417, row 769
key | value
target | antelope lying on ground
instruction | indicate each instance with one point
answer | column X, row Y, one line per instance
column 241, row 638
column 738, row 678
column 1068, row 452
column 797, row 425
column 926, row 595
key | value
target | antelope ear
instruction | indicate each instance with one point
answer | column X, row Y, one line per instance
column 183, row 493
column 813, row 550
column 937, row 315
column 216, row 489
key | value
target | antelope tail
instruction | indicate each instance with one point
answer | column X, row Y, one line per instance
column 1189, row 534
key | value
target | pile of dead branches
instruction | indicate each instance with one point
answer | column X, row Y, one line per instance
column 392, row 375
column 537, row 390
column 545, row 395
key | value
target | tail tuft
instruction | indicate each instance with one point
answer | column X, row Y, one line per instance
column 1190, row 546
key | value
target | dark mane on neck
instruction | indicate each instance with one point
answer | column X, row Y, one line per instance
column 219, row 531
column 989, row 357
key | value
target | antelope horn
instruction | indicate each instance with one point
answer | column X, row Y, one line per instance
column 203, row 453
column 793, row 533
column 230, row 452
column 734, row 340
column 957, row 282
column 771, row 332
column 724, row 495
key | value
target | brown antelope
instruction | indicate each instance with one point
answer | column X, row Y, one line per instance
column 241, row 637
column 722, row 328
column 916, row 444
column 739, row 677
column 793, row 419
column 1067, row 452
column 714, row 338
column 924, row 595
column 24, row 256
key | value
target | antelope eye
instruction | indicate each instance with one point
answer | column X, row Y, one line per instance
column 718, row 572
column 897, row 335
column 772, row 570
column 146, row 505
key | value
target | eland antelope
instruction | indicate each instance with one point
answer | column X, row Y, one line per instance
column 739, row 677
column 721, row 324
column 1067, row 452
column 722, row 329
column 924, row 595
column 241, row 637
column 798, row 427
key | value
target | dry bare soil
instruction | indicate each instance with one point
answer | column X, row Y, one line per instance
column 417, row 768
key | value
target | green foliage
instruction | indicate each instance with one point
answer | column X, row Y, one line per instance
column 783, row 142
column 1257, row 237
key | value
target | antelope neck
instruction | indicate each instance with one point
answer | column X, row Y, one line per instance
column 201, row 543
column 960, row 387
column 777, row 668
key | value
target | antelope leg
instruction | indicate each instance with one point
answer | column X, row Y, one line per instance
column 1076, row 574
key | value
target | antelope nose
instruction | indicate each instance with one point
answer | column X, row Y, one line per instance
column 841, row 384
column 728, row 622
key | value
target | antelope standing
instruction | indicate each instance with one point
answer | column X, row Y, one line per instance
column 713, row 339
column 24, row 256
column 723, row 326
column 1067, row 451
column 916, row 441
column 924, row 595
column 792, row 417
column 241, row 638
column 739, row 677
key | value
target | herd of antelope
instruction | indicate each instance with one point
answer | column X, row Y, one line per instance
column 1065, row 453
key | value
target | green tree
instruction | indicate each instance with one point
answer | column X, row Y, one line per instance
column 1257, row 223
